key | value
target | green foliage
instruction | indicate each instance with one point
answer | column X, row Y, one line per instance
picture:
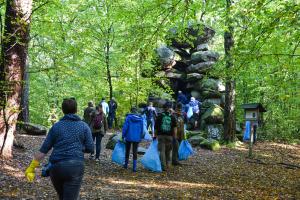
column 67, row 54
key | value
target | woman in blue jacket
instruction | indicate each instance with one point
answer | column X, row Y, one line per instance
column 69, row 139
column 132, row 133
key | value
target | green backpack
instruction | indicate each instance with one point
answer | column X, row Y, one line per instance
column 166, row 123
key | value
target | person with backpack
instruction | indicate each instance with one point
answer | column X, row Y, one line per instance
column 165, row 126
column 132, row 133
column 99, row 128
column 181, row 120
column 151, row 114
column 69, row 139
column 87, row 118
column 112, row 112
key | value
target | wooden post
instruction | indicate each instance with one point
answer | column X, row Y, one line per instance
column 251, row 143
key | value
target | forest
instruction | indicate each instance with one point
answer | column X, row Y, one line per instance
column 90, row 49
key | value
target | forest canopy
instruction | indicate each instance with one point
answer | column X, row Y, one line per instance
column 73, row 44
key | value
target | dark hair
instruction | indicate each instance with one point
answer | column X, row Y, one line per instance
column 90, row 104
column 69, row 106
column 167, row 105
column 99, row 106
column 133, row 109
column 103, row 98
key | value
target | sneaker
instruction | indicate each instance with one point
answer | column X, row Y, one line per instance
column 97, row 160
column 92, row 156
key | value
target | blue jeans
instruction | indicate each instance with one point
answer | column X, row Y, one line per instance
column 66, row 177
column 98, row 137
column 150, row 122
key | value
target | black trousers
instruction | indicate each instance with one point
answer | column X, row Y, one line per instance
column 134, row 150
column 66, row 177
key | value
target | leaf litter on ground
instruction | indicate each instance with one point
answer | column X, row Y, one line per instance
column 225, row 174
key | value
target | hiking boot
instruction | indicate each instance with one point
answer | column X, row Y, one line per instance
column 134, row 165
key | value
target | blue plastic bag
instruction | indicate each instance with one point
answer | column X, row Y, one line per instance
column 146, row 134
column 185, row 150
column 151, row 158
column 247, row 131
column 118, row 155
column 190, row 112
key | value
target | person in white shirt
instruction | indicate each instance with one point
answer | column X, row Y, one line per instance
column 104, row 106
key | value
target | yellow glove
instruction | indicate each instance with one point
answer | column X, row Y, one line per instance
column 30, row 171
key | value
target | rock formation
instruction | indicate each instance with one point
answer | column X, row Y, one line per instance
column 186, row 63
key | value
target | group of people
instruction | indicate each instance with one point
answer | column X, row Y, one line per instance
column 71, row 137
column 167, row 127
column 100, row 119
column 194, row 105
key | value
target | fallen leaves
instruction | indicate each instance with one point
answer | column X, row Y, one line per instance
column 225, row 174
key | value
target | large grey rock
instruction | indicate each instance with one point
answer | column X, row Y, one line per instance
column 32, row 129
column 210, row 144
column 195, row 94
column 215, row 131
column 194, row 76
column 196, row 140
column 112, row 141
column 175, row 74
column 214, row 101
column 192, row 133
column 204, row 56
column 200, row 67
column 184, row 53
column 202, row 47
column 209, row 94
column 209, row 84
column 166, row 56
column 204, row 35
column 213, row 115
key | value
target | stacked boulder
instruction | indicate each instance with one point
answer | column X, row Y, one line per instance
column 186, row 64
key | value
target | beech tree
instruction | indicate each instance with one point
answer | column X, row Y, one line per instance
column 14, row 51
column 229, row 110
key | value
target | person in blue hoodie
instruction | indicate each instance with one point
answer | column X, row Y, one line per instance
column 132, row 133
column 69, row 139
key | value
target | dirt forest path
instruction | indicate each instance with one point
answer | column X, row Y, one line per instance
column 226, row 174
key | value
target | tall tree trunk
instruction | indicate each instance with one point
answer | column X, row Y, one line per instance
column 229, row 111
column 107, row 62
column 14, row 50
column 24, row 110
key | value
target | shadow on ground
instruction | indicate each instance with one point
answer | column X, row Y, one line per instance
column 226, row 174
